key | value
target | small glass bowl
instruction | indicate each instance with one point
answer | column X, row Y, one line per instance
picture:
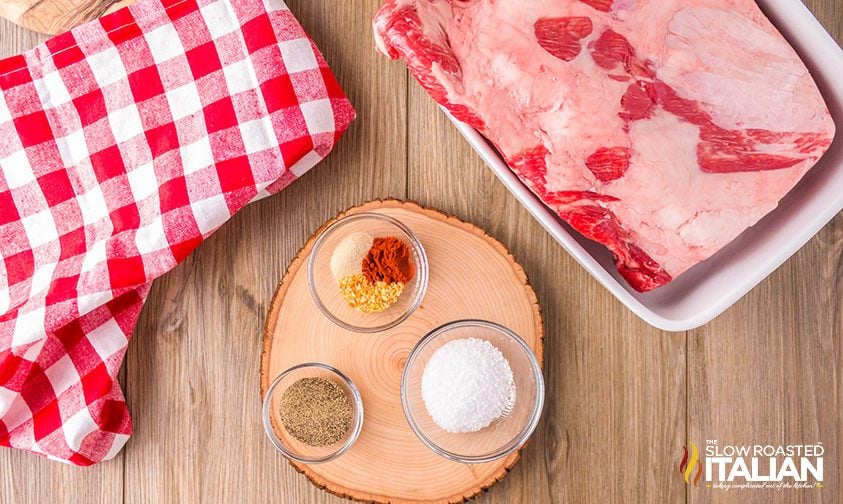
column 325, row 289
column 290, row 446
column 504, row 435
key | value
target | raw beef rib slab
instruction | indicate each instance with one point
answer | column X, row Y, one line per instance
column 660, row 128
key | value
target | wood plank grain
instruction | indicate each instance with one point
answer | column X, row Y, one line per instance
column 615, row 386
column 769, row 370
column 830, row 14
column 193, row 367
column 29, row 479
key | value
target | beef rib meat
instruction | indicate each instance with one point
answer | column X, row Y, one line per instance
column 659, row 128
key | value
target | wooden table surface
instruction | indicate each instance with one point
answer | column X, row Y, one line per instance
column 622, row 397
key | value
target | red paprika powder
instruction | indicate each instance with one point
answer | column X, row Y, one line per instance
column 389, row 260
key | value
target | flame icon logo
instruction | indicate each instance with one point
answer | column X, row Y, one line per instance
column 686, row 467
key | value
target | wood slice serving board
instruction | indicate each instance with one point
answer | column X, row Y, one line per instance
column 471, row 276
column 56, row 16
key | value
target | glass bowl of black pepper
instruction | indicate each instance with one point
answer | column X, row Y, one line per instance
column 312, row 413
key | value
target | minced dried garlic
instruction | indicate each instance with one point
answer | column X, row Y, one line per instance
column 362, row 295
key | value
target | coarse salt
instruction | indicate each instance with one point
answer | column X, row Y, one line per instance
column 466, row 385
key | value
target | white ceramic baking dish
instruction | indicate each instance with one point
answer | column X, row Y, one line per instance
column 709, row 288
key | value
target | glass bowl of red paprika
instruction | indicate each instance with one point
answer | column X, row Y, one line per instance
column 367, row 272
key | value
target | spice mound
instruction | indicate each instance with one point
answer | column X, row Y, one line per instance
column 388, row 261
column 372, row 272
column 316, row 411
column 466, row 385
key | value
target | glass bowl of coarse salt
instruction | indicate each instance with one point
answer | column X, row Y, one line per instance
column 367, row 272
column 312, row 413
column 472, row 391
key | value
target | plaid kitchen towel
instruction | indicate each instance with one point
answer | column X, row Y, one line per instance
column 123, row 144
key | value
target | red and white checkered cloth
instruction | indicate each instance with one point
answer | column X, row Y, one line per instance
column 123, row 144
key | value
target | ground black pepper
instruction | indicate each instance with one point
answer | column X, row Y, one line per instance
column 316, row 411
